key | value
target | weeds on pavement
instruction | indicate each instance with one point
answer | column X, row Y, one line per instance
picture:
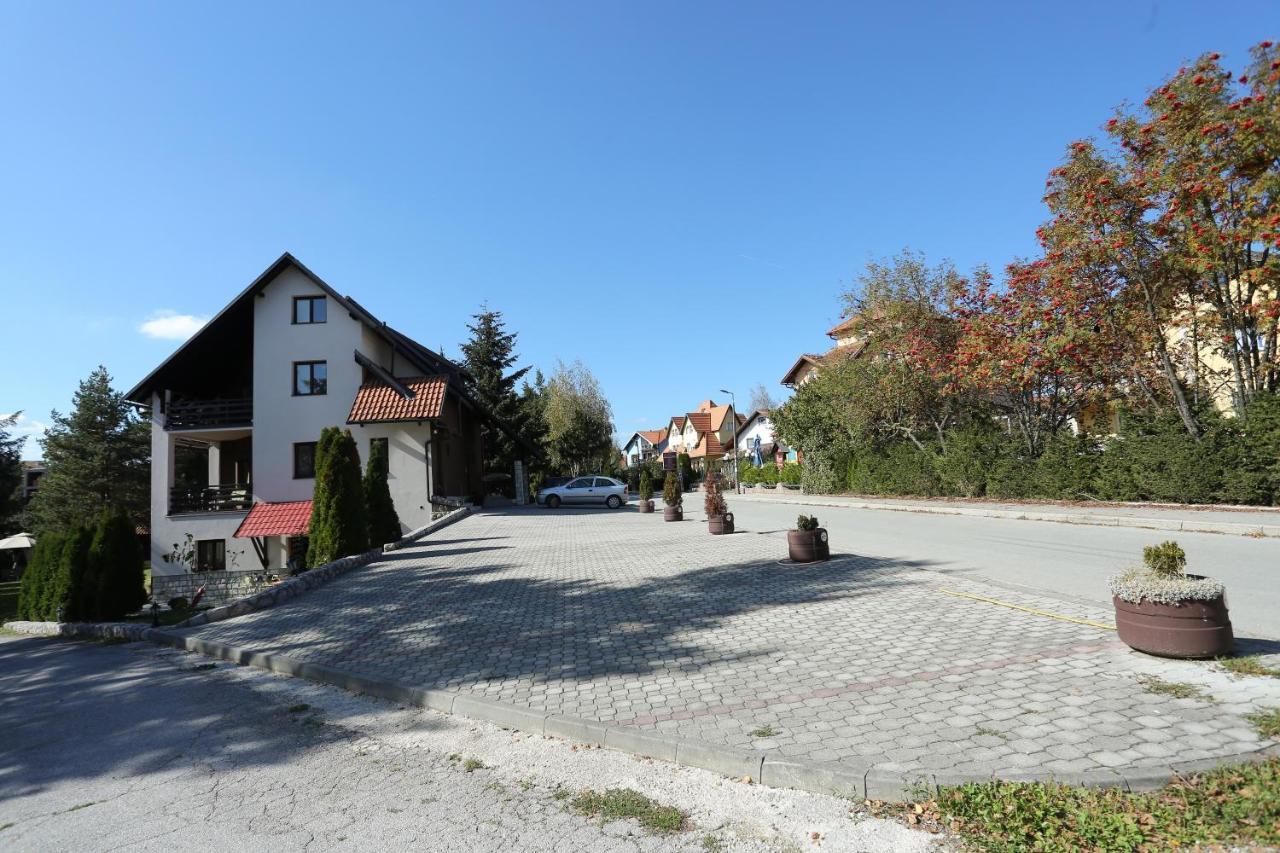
column 617, row 803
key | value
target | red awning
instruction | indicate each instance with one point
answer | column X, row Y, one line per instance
column 286, row 518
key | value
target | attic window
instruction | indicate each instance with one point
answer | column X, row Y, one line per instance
column 308, row 310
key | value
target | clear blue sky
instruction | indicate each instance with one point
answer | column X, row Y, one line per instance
column 674, row 193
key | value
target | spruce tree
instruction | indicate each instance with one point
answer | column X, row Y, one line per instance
column 384, row 524
column 488, row 356
column 320, row 535
column 98, row 458
column 113, row 578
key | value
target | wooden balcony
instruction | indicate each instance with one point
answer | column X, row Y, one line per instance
column 230, row 497
column 203, row 414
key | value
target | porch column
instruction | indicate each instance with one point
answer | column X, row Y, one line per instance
column 215, row 463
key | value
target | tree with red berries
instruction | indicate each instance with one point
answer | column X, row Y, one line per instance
column 1181, row 219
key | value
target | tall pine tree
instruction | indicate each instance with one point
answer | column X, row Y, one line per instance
column 98, row 459
column 488, row 356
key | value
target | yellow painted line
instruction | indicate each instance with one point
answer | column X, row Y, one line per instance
column 999, row 603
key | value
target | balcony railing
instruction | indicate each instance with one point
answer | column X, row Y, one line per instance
column 231, row 497
column 195, row 414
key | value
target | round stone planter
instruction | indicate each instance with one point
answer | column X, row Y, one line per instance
column 673, row 513
column 720, row 524
column 646, row 506
column 1192, row 629
column 808, row 546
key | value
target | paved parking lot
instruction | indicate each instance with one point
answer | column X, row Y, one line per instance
column 622, row 618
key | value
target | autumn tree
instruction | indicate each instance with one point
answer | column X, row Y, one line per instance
column 1180, row 215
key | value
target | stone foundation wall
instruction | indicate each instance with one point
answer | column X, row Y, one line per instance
column 219, row 587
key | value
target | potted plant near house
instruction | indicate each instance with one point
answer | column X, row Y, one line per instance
column 719, row 519
column 671, row 496
column 808, row 542
column 1162, row 610
column 646, row 491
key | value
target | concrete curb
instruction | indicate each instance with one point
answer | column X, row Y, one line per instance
column 131, row 631
column 1170, row 524
column 847, row 779
column 316, row 577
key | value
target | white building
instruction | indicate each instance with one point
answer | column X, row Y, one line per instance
column 760, row 425
column 236, row 412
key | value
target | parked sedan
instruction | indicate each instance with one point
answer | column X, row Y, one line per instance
column 585, row 490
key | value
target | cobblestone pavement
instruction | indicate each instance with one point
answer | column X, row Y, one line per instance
column 622, row 618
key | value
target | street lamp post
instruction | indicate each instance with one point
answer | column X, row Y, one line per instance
column 733, row 425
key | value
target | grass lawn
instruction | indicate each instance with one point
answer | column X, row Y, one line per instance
column 9, row 601
column 1228, row 807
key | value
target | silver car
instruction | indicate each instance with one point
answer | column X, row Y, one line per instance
column 585, row 490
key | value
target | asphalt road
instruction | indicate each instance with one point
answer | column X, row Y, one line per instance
column 133, row 746
column 1070, row 559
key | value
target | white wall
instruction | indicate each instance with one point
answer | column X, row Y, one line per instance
column 279, row 418
column 762, row 427
column 407, row 473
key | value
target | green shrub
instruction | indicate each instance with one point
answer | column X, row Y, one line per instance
column 1166, row 559
column 113, row 579
column 646, row 485
column 686, row 467
column 806, row 523
column 671, row 495
column 179, row 603
column 769, row 474
column 792, row 473
column 338, row 524
column 384, row 523
column 963, row 467
column 38, row 574
column 749, row 475
column 1067, row 468
column 65, row 593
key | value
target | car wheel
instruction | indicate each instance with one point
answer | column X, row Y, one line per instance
column 613, row 502
column 553, row 501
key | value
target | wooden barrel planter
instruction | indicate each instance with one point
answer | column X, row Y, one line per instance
column 646, row 506
column 1192, row 629
column 808, row 546
column 720, row 524
column 673, row 513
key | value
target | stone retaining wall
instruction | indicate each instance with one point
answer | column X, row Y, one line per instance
column 219, row 587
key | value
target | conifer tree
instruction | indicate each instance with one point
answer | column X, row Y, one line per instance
column 98, row 458
column 384, row 524
column 488, row 356
column 64, row 591
column 339, row 526
column 40, row 567
column 113, row 579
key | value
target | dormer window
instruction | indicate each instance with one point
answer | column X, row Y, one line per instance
column 308, row 310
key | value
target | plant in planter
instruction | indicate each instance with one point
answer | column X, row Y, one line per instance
column 719, row 519
column 646, row 491
column 808, row 542
column 1162, row 610
column 672, row 497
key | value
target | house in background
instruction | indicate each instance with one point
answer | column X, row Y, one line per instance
column 32, row 471
column 846, row 343
column 708, row 433
column 675, row 435
column 644, row 445
column 759, row 425
column 237, row 410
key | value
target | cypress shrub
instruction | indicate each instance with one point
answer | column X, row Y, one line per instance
column 965, row 464
column 646, row 485
column 339, row 524
column 686, row 467
column 113, row 576
column 36, row 577
column 671, row 495
column 384, row 524
column 1067, row 469
column 65, row 590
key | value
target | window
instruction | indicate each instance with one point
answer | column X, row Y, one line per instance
column 308, row 310
column 605, row 483
column 304, row 460
column 310, row 378
column 211, row 555
column 580, row 483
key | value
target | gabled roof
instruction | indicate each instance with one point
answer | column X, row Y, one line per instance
column 653, row 436
column 701, row 421
column 678, row 420
column 284, row 518
column 843, row 327
column 789, row 378
column 379, row 402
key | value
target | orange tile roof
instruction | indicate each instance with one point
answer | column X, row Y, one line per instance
column 701, row 421
column 286, row 518
column 678, row 420
column 845, row 325
column 654, row 436
column 376, row 402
